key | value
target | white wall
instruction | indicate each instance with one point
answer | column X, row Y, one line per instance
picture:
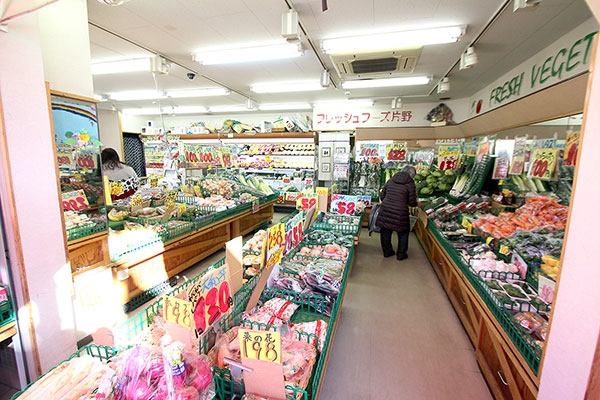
column 65, row 43
column 34, row 228
column 110, row 131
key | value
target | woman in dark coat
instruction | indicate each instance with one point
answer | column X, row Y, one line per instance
column 396, row 196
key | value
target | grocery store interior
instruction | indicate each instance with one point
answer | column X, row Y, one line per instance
column 197, row 199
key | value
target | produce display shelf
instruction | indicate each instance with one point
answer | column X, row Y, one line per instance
column 88, row 229
column 527, row 346
column 101, row 352
column 7, row 311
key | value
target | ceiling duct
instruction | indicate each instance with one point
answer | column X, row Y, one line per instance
column 377, row 64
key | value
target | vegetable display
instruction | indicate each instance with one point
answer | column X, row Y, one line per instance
column 430, row 180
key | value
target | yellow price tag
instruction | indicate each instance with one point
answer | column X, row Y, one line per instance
column 504, row 249
column 137, row 201
column 116, row 188
column 489, row 240
column 307, row 201
column 543, row 164
column 197, row 191
column 260, row 345
column 181, row 207
column 268, row 158
column 154, row 181
column 171, row 196
column 170, row 207
column 177, row 311
column 322, row 191
column 468, row 226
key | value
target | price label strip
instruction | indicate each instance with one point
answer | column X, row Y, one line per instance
column 259, row 345
column 75, row 201
column 177, row 311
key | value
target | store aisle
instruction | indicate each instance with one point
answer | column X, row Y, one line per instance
column 398, row 336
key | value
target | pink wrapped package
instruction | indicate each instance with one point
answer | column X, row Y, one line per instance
column 282, row 309
column 265, row 317
column 318, row 328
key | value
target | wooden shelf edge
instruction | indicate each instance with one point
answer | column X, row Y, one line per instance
column 8, row 331
column 266, row 135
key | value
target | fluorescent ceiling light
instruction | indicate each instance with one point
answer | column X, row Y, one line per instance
column 281, row 87
column 143, row 111
column 235, row 108
column 392, row 40
column 345, row 103
column 284, row 106
column 117, row 67
column 190, row 110
column 371, row 83
column 206, row 92
column 248, row 53
column 136, row 95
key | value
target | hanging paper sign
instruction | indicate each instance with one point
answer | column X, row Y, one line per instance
column 116, row 188
column 293, row 232
column 518, row 159
column 396, row 151
column 286, row 180
column 171, row 196
column 64, row 158
column 212, row 298
column 153, row 181
column 543, row 164
column 177, row 311
column 369, row 150
column 307, row 201
column 483, row 150
column 366, row 200
column 501, row 165
column 260, row 345
column 298, row 181
column 448, row 157
column 86, row 160
column 75, row 201
column 254, row 206
column 342, row 204
column 571, row 148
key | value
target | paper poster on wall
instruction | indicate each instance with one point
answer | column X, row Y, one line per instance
column 72, row 119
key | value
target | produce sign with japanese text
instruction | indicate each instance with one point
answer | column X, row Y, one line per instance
column 275, row 239
column 448, row 157
column 212, row 298
column 543, row 164
column 75, row 201
column 116, row 188
column 571, row 149
column 482, row 150
column 197, row 155
column 366, row 200
column 86, row 160
column 501, row 165
column 154, row 181
column 369, row 150
column 518, row 158
column 260, row 345
column 308, row 200
column 177, row 311
column 396, row 151
column 137, row 201
column 293, row 232
column 343, row 204
column 64, row 158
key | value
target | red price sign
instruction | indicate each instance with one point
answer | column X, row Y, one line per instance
column 571, row 149
column 75, row 201
column 64, row 158
column 286, row 180
column 543, row 164
column 212, row 296
column 177, row 311
column 484, row 149
column 275, row 238
column 396, row 151
column 369, row 150
column 281, row 199
column 307, row 201
column 86, row 160
column 342, row 204
column 293, row 232
column 448, row 157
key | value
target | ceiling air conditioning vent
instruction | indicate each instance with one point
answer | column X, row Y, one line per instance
column 376, row 64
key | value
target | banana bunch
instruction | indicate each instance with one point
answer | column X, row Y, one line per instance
column 115, row 215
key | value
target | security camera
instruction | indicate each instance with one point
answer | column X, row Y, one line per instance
column 191, row 75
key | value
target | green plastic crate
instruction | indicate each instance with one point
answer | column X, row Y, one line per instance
column 88, row 229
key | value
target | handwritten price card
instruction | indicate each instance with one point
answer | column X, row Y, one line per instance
column 254, row 206
column 177, row 311
column 293, row 232
column 64, row 158
column 154, row 181
column 75, row 201
column 483, row 150
column 543, row 164
column 342, row 204
column 396, row 151
column 171, row 196
column 309, row 200
column 137, row 201
column 369, row 150
column 275, row 239
column 518, row 159
column 366, row 200
column 212, row 297
column 448, row 157
column 116, row 188
column 86, row 160
column 571, row 149
column 259, row 345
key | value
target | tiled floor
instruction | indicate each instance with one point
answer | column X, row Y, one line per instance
column 398, row 336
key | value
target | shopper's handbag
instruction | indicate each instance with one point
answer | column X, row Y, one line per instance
column 373, row 219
